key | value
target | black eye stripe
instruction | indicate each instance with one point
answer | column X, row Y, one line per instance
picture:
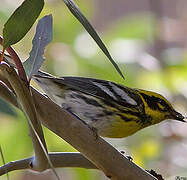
column 153, row 102
column 150, row 101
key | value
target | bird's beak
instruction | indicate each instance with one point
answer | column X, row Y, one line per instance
column 177, row 116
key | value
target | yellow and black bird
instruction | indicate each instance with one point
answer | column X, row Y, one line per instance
column 113, row 110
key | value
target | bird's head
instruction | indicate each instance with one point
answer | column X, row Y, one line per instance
column 159, row 108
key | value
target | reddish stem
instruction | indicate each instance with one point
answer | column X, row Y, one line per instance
column 16, row 59
column 2, row 55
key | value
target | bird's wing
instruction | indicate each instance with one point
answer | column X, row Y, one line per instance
column 102, row 89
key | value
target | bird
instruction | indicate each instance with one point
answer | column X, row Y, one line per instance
column 113, row 110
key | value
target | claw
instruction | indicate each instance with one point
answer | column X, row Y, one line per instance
column 95, row 132
column 128, row 157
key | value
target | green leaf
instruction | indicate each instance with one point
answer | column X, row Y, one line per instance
column 21, row 21
column 42, row 37
column 82, row 19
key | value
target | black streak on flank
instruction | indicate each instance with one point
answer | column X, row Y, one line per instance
column 108, row 113
column 88, row 100
column 125, row 118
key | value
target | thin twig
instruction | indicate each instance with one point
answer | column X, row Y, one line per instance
column 59, row 160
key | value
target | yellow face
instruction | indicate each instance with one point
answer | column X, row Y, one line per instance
column 158, row 107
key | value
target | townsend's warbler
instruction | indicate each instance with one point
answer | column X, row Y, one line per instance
column 112, row 109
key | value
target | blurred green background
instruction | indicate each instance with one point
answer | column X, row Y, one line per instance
column 147, row 39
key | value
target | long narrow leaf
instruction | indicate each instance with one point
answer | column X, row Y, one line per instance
column 42, row 37
column 72, row 6
column 21, row 21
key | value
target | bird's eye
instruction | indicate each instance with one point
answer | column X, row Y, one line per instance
column 163, row 106
column 160, row 101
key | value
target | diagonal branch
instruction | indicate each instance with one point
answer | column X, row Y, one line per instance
column 7, row 95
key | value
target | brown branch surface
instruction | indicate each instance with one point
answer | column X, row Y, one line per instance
column 7, row 95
